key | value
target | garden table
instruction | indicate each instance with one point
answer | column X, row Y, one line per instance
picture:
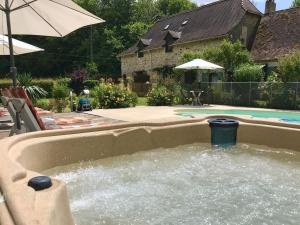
column 196, row 95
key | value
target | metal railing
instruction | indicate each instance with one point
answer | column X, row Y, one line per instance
column 256, row 94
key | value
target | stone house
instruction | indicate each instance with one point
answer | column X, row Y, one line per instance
column 268, row 36
column 165, row 43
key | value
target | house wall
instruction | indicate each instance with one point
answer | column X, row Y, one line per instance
column 158, row 58
column 251, row 22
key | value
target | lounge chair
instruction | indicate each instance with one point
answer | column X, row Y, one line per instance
column 16, row 101
column 30, row 122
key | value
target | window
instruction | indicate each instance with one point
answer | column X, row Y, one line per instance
column 168, row 48
column 140, row 54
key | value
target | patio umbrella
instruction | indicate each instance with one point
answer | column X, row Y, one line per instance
column 55, row 18
column 199, row 64
column 19, row 47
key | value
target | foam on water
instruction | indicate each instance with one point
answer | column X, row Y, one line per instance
column 189, row 185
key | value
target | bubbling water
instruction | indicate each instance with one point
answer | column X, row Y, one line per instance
column 188, row 185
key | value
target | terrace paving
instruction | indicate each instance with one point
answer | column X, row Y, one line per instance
column 157, row 113
column 58, row 121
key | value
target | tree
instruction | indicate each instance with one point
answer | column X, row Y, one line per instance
column 229, row 55
column 145, row 11
column 135, row 31
column 170, row 7
column 296, row 3
column 289, row 67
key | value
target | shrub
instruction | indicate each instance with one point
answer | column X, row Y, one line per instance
column 160, row 96
column 289, row 67
column 5, row 83
column 247, row 72
column 25, row 80
column 65, row 81
column 44, row 103
column 60, row 93
column 113, row 96
column 46, row 84
column 175, row 87
column 90, row 84
column 77, row 79
column 278, row 94
column 221, row 95
column 92, row 70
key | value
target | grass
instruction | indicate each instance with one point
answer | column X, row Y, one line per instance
column 142, row 101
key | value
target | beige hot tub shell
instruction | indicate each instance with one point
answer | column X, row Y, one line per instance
column 25, row 156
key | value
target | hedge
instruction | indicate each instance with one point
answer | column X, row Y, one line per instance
column 46, row 84
column 5, row 83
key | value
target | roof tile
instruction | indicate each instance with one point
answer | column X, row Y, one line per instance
column 278, row 34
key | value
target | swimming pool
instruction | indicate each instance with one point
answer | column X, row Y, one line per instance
column 284, row 116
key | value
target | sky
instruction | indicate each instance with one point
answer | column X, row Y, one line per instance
column 260, row 4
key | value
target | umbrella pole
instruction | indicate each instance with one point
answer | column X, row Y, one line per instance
column 13, row 69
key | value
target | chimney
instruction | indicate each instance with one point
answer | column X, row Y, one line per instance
column 270, row 6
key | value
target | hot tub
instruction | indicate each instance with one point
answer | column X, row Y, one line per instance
column 27, row 156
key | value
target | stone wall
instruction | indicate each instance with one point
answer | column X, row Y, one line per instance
column 158, row 58
column 248, row 26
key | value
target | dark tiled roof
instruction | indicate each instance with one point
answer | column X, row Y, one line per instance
column 209, row 21
column 278, row 34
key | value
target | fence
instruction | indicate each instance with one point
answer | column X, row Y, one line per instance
column 256, row 94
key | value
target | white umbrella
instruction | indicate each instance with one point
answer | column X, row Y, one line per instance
column 199, row 64
column 19, row 47
column 55, row 18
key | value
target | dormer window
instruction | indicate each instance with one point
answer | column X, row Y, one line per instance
column 170, row 38
column 142, row 44
column 167, row 27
